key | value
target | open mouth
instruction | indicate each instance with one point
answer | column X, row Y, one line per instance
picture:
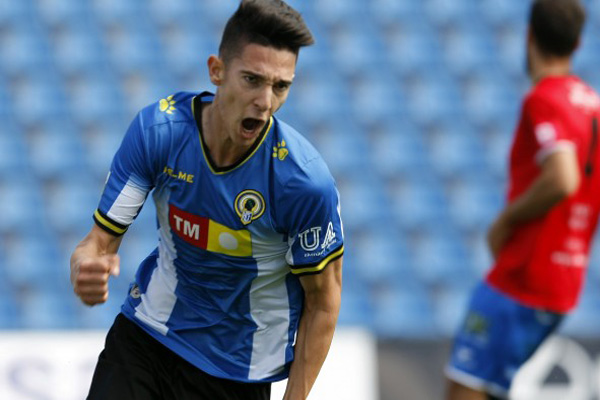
column 251, row 124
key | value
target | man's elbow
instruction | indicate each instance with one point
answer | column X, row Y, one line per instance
column 566, row 188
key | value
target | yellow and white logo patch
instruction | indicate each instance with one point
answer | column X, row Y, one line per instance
column 249, row 205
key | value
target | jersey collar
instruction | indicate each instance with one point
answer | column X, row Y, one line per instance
column 207, row 97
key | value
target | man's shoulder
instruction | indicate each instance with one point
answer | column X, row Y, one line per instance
column 298, row 163
column 176, row 107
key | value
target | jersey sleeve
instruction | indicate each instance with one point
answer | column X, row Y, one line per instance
column 315, row 232
column 548, row 129
column 128, row 183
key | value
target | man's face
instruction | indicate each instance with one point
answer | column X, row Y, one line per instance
column 254, row 85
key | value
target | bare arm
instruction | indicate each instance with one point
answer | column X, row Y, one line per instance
column 92, row 262
column 559, row 179
column 322, row 298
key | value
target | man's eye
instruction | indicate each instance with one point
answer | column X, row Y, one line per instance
column 250, row 79
column 282, row 86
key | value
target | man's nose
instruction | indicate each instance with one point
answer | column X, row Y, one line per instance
column 264, row 99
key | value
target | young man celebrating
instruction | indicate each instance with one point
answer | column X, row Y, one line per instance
column 244, row 286
column 541, row 240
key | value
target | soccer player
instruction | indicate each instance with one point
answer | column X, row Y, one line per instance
column 541, row 239
column 244, row 287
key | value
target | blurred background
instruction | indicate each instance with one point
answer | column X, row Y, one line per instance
column 411, row 103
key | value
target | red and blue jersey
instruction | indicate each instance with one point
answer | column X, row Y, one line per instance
column 544, row 261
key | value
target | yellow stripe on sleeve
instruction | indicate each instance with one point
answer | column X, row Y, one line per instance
column 321, row 266
column 109, row 224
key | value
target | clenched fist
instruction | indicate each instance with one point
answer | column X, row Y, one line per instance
column 89, row 277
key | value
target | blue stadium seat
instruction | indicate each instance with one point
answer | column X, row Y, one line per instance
column 178, row 12
column 434, row 97
column 134, row 52
column 101, row 142
column 356, row 308
column 322, row 98
column 70, row 202
column 398, row 149
column 79, row 49
column 28, row 50
column 490, row 98
column 339, row 12
column 469, row 48
column 418, row 202
column 342, row 145
column 39, row 98
column 455, row 149
column 440, row 258
column 96, row 97
column 21, row 199
column 63, row 12
column 390, row 13
column 186, row 53
column 403, row 311
column 46, row 309
column 32, row 259
column 511, row 45
column 497, row 143
column 475, row 201
column 363, row 202
column 377, row 95
column 444, row 12
column 363, row 46
column 56, row 150
column 13, row 151
column 120, row 12
column 414, row 47
column 501, row 13
column 382, row 255
column 9, row 311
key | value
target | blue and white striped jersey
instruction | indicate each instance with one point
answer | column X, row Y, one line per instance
column 222, row 287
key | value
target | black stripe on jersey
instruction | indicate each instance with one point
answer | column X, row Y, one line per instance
column 318, row 267
column 198, row 117
column 108, row 224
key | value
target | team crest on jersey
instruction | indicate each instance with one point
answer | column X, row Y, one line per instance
column 249, row 205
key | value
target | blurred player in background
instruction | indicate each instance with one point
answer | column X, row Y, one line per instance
column 541, row 240
column 244, row 287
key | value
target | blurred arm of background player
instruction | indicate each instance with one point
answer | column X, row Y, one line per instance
column 558, row 179
column 92, row 262
column 322, row 298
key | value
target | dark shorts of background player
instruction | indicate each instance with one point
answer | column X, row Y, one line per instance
column 134, row 366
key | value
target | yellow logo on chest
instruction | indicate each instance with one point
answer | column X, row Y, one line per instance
column 183, row 176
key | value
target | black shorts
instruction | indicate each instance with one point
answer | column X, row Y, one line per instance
column 135, row 366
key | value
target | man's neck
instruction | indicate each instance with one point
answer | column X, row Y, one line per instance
column 223, row 152
column 551, row 67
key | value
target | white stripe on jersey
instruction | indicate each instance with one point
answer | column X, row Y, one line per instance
column 159, row 299
column 127, row 204
column 270, row 310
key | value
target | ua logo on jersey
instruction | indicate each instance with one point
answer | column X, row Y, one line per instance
column 310, row 238
column 329, row 237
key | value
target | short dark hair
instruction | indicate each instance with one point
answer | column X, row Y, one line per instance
column 270, row 23
column 556, row 25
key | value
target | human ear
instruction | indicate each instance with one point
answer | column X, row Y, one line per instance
column 216, row 70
